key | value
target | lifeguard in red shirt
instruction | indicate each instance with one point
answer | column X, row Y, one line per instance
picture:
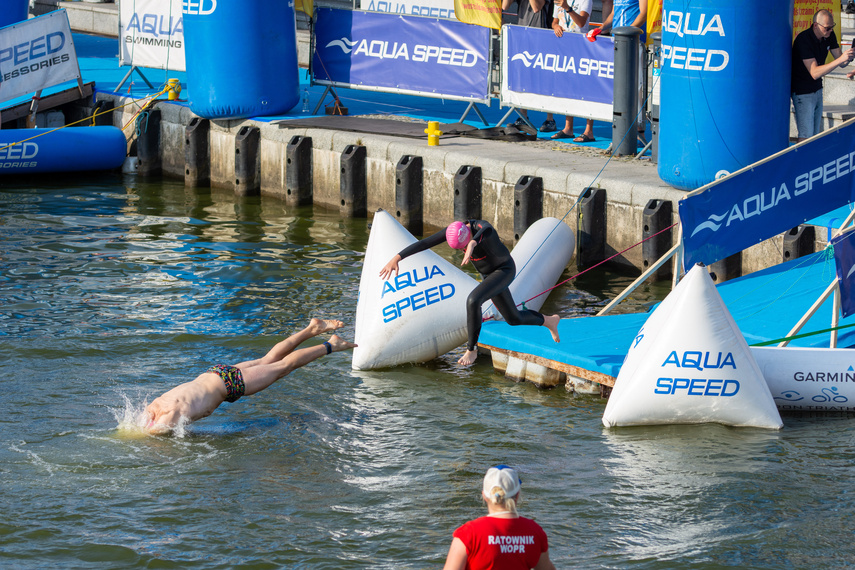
column 502, row 540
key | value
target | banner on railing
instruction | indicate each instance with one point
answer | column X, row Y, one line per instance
column 427, row 8
column 402, row 54
column 567, row 75
column 151, row 34
column 769, row 197
column 35, row 54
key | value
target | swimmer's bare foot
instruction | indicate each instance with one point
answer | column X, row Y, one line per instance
column 551, row 322
column 468, row 357
column 320, row 326
column 337, row 343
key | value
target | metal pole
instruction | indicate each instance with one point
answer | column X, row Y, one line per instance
column 644, row 276
column 835, row 316
column 644, row 94
column 810, row 312
column 654, row 95
column 625, row 108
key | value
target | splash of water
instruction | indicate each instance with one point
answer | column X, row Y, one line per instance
column 132, row 420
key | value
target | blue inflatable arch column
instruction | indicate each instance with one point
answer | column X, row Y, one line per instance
column 13, row 11
column 725, row 92
column 241, row 57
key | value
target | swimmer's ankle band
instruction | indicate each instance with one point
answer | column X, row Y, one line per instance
column 329, row 347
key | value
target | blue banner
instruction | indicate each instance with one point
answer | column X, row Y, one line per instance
column 844, row 258
column 386, row 52
column 769, row 197
column 569, row 67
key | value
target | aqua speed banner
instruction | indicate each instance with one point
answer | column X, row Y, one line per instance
column 406, row 54
column 36, row 54
column 769, row 197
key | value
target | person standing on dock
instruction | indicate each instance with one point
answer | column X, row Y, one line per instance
column 810, row 50
column 494, row 262
column 627, row 13
column 196, row 399
column 534, row 14
column 571, row 16
column 502, row 539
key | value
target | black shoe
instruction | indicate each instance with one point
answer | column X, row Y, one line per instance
column 548, row 126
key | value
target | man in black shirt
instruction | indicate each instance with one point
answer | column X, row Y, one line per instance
column 808, row 67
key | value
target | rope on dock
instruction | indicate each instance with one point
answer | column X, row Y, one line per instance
column 151, row 100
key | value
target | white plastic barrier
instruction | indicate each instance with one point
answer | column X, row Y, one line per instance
column 809, row 379
column 421, row 314
column 690, row 364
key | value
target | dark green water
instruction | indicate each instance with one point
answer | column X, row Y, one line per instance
column 114, row 290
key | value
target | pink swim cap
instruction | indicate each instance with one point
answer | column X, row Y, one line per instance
column 457, row 235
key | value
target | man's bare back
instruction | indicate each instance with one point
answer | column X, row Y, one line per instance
column 198, row 398
column 192, row 400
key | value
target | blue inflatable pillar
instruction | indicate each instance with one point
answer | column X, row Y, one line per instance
column 725, row 91
column 37, row 151
column 241, row 57
column 13, row 11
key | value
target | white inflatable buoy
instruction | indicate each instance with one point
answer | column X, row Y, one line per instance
column 414, row 317
column 421, row 314
column 541, row 255
column 690, row 364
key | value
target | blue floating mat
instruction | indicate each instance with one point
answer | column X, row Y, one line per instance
column 765, row 305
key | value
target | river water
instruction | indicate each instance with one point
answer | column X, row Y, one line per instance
column 114, row 290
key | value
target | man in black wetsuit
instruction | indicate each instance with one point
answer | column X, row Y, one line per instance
column 494, row 262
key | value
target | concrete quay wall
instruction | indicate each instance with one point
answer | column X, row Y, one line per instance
column 629, row 184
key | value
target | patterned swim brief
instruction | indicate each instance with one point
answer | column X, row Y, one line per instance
column 232, row 378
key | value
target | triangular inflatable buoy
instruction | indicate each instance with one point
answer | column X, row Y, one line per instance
column 427, row 286
column 690, row 364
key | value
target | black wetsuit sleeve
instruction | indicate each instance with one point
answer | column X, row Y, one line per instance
column 421, row 245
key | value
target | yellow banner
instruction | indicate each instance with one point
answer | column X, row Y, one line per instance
column 305, row 6
column 654, row 18
column 803, row 11
column 487, row 13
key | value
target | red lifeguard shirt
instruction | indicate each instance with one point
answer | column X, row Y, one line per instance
column 502, row 544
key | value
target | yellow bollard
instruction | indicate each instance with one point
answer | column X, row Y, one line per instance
column 433, row 133
column 174, row 89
